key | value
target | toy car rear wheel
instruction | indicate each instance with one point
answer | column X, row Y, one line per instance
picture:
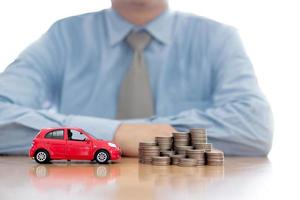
column 102, row 156
column 42, row 156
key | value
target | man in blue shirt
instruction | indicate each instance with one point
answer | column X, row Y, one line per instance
column 198, row 71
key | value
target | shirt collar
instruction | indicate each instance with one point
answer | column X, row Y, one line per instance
column 118, row 28
column 161, row 27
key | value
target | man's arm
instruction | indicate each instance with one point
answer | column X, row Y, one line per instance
column 26, row 86
column 239, row 120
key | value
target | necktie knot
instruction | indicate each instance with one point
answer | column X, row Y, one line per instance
column 138, row 40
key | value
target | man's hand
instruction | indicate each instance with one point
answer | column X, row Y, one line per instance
column 128, row 136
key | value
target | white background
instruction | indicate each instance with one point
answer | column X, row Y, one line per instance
column 270, row 30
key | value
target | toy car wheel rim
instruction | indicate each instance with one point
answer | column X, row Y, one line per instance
column 102, row 156
column 41, row 156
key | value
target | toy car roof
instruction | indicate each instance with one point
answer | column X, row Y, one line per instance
column 54, row 128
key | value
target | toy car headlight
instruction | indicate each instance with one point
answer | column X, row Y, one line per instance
column 112, row 145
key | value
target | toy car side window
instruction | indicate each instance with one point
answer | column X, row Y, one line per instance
column 76, row 135
column 58, row 134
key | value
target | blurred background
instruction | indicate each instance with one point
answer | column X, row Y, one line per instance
column 270, row 30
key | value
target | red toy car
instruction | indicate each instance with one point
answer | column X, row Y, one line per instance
column 71, row 144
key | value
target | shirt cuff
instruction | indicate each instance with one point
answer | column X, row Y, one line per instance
column 99, row 127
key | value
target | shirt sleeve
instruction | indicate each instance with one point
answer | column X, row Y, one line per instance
column 239, row 121
column 27, row 87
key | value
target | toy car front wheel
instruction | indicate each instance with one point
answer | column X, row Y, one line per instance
column 102, row 156
column 42, row 156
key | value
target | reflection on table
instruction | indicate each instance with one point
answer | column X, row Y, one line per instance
column 69, row 177
column 22, row 178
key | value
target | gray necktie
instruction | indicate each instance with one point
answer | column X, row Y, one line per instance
column 135, row 100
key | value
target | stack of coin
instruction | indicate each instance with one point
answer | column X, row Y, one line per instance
column 215, row 157
column 204, row 146
column 167, row 153
column 161, row 160
column 176, row 159
column 164, row 143
column 181, row 150
column 187, row 162
column 146, row 151
column 198, row 136
column 181, row 138
column 177, row 149
column 197, row 154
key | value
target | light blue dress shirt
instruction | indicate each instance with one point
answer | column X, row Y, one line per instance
column 199, row 72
